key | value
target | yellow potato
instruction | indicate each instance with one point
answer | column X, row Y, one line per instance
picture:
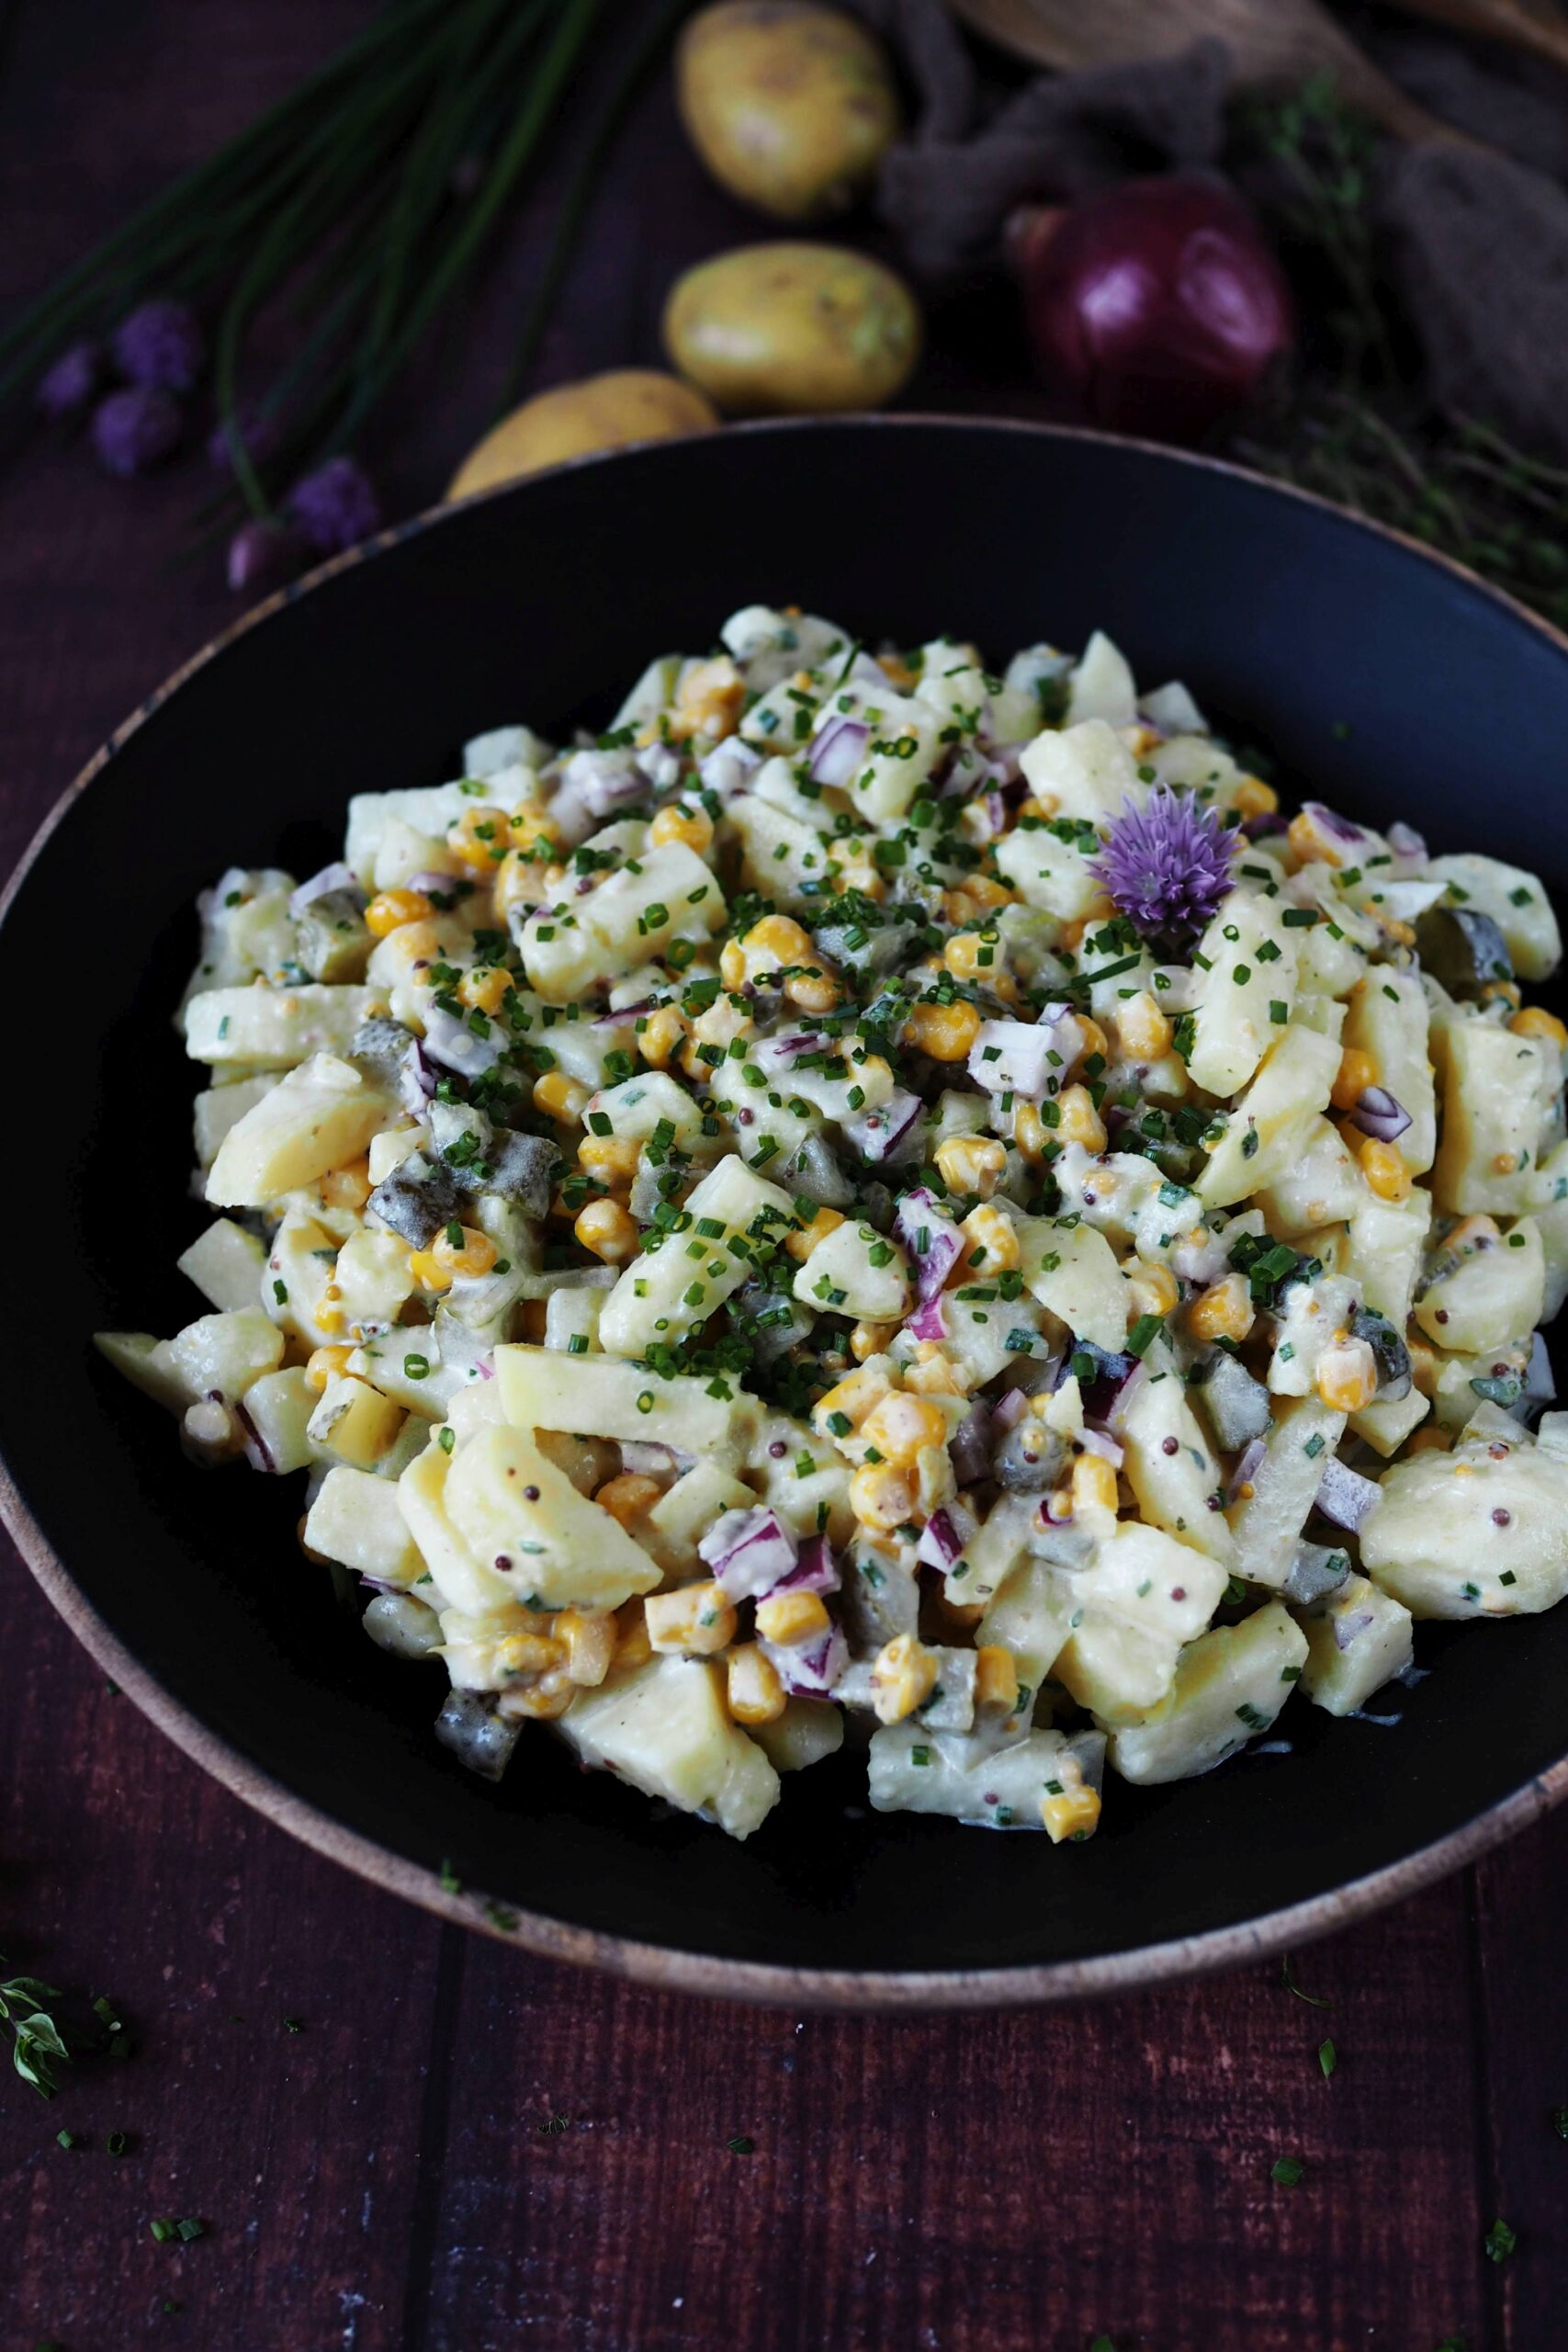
column 601, row 413
column 791, row 106
column 794, row 330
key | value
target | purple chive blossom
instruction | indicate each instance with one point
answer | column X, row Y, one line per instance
column 264, row 555
column 1167, row 866
column 136, row 429
column 67, row 387
column 257, row 434
column 159, row 344
column 336, row 506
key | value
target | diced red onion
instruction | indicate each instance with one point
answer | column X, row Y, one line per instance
column 839, row 751
column 646, row 1460
column 1009, row 1410
column 1021, row 1057
column 258, row 1453
column 781, row 1053
column 1096, row 1442
column 969, row 1449
column 444, row 880
column 336, row 877
column 921, row 1214
column 416, row 1080
column 1111, row 1373
column 729, row 767
column 749, row 1552
column 876, row 1135
column 1345, row 1496
column 1329, row 822
column 624, row 1013
column 659, row 764
column 944, row 1535
column 930, row 1321
column 1264, row 826
column 452, row 1043
column 1379, row 1114
column 817, row 1570
column 1405, row 841
column 1350, row 1622
column 1248, row 1463
column 809, row 1672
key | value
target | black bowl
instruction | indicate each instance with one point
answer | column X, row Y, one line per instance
column 1391, row 682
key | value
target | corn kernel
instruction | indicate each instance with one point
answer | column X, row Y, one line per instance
column 972, row 1164
column 865, row 879
column 1310, row 842
column 793, row 1619
column 1384, row 1169
column 539, row 1703
column 428, row 1271
column 416, row 942
column 605, row 1227
column 802, row 1242
column 626, row 1497
column 480, row 836
column 1094, row 1484
column 1357, row 1072
column 935, row 1374
column 347, row 1187
column 324, row 1362
column 611, row 1158
column 474, row 1254
column 587, row 1638
column 485, row 988
column 1430, row 1439
column 529, row 1653
column 897, row 672
column 978, row 955
column 732, row 964
column 1079, row 1121
column 990, row 1243
column 775, row 941
column 946, row 1032
column 1029, row 1132
column 389, row 910
column 698, row 1619
column 902, row 1679
column 710, row 700
column 852, row 1399
column 871, row 1340
column 996, row 1677
column 560, row 1097
column 1536, row 1021
column 1224, row 1311
column 1348, row 1376
column 1503, row 993
column 1151, row 1290
column 633, row 1647
column 660, row 1035
column 882, row 1496
column 816, row 989
column 1255, row 798
column 518, row 883
column 1069, row 1808
column 754, row 1693
column 901, row 1425
column 692, row 827
column 1145, row 1033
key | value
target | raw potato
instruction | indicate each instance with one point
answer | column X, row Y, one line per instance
column 608, row 412
column 795, row 329
column 790, row 106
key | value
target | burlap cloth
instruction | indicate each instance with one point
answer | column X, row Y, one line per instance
column 1473, row 244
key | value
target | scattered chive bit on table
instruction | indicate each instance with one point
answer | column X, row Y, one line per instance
column 800, row 1205
column 1327, row 2058
column 1500, row 2242
column 1288, row 2171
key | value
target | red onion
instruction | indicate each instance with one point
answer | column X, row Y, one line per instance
column 932, row 1240
column 944, row 1535
column 1020, row 1057
column 1329, row 822
column 1246, row 1466
column 817, row 1570
column 838, row 750
column 749, row 1552
column 1405, row 841
column 1157, row 303
column 446, row 883
column 1096, row 1441
column 1346, row 1498
column 1379, row 1114
column 329, row 878
column 729, row 766
column 811, row 1672
column 416, row 1080
column 879, row 1133
column 930, row 1321
column 1009, row 1410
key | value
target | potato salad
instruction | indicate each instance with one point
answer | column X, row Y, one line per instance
column 883, row 1202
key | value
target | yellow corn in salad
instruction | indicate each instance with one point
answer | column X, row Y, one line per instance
column 890, row 1194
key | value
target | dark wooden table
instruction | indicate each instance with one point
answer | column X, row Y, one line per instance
column 401, row 2138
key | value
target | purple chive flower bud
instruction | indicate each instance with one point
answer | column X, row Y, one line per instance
column 67, row 387
column 336, row 506
column 257, row 432
column 1167, row 866
column 264, row 555
column 136, row 429
column 159, row 344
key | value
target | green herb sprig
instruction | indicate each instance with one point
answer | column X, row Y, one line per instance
column 38, row 2046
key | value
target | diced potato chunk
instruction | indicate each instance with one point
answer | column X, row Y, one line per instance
column 321, row 1114
column 1229, row 1685
column 1072, row 1271
column 274, row 1028
column 604, row 1396
column 355, row 1519
column 226, row 1264
column 1482, row 1532
column 1498, row 1091
column 1517, row 903
column 664, row 1728
column 1358, row 1640
column 509, row 1502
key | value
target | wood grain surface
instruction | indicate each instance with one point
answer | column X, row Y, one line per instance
column 403, row 2139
